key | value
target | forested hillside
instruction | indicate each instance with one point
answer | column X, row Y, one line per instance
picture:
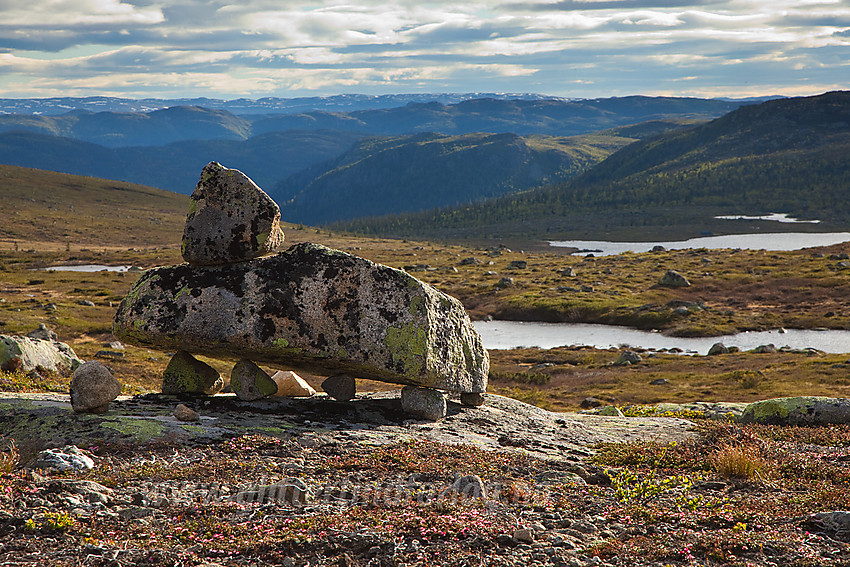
column 786, row 155
column 422, row 171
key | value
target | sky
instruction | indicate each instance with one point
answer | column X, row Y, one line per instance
column 287, row 48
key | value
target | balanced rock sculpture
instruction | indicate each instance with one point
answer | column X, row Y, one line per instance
column 310, row 308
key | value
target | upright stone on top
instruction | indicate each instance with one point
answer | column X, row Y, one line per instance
column 230, row 219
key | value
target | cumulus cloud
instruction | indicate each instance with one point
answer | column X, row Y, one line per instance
column 564, row 47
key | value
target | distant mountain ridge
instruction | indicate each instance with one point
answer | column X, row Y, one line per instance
column 551, row 117
column 276, row 105
column 788, row 155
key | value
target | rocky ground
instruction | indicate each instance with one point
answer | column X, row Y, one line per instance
column 318, row 482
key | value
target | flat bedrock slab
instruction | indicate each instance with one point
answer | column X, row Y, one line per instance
column 314, row 309
column 230, row 219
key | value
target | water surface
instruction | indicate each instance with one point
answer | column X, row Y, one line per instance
column 512, row 334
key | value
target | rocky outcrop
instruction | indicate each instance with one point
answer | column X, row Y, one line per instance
column 802, row 411
column 230, row 219
column 310, row 308
column 26, row 353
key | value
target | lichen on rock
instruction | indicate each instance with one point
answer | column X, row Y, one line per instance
column 310, row 308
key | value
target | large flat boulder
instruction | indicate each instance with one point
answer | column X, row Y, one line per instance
column 800, row 410
column 310, row 308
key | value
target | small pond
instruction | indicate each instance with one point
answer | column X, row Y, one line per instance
column 512, row 334
column 89, row 268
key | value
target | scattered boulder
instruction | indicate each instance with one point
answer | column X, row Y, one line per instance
column 43, row 333
column 471, row 261
column 426, row 403
column 67, row 458
column 518, row 265
column 33, row 353
column 250, row 382
column 340, row 387
column 185, row 374
column 93, row 387
column 184, row 413
column 504, row 282
column 524, row 535
column 658, row 248
column 765, row 349
column 567, row 272
column 310, row 308
column 659, row 382
column 718, row 348
column 291, row 385
column 627, row 357
column 230, row 219
column 674, row 279
column 86, row 303
column 590, row 402
column 802, row 411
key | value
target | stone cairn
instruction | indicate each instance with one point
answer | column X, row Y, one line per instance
column 308, row 308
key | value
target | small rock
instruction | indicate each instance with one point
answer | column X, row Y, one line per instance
column 471, row 261
column 93, row 387
column 472, row 399
column 426, row 403
column 764, row 349
column 674, row 279
column 86, row 303
column 659, row 382
column 340, row 387
column 610, row 411
column 504, row 282
column 518, row 265
column 524, row 535
column 469, row 486
column 250, row 382
column 568, row 272
column 185, row 374
column 43, row 333
column 658, row 248
column 115, row 345
column 628, row 357
column 230, row 219
column 68, row 458
column 291, row 385
column 718, row 348
column 184, row 413
column 109, row 354
column 590, row 402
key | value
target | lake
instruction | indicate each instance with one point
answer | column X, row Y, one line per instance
column 512, row 334
column 760, row 241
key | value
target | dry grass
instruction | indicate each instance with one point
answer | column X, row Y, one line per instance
column 740, row 462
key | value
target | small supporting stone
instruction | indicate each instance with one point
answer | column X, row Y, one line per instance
column 93, row 387
column 291, row 385
column 185, row 374
column 250, row 382
column 340, row 387
column 426, row 403
column 472, row 399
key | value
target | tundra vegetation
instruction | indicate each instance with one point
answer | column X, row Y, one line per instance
column 731, row 495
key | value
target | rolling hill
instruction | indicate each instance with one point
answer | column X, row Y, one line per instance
column 787, row 155
column 382, row 175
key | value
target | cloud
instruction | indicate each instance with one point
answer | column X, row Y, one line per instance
column 569, row 47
